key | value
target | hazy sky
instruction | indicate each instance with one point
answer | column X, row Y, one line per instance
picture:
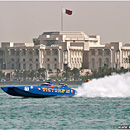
column 23, row 21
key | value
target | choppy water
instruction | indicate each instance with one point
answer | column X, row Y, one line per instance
column 85, row 111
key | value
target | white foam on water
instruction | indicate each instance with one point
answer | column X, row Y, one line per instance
column 109, row 86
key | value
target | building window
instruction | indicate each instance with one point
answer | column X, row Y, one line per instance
column 65, row 52
column 30, row 52
column 100, row 62
column 24, row 66
column 36, row 52
column 12, row 66
column 93, row 52
column 55, row 52
column 24, row 52
column 30, row 60
column 107, row 62
column 36, row 60
column 48, row 59
column 17, row 53
column 80, row 54
column 99, row 52
column 1, row 53
column 107, row 52
column 30, row 66
column 72, row 60
column 48, row 52
column 80, row 60
column 1, row 61
column 48, row 66
column 12, row 59
column 18, row 60
column 93, row 64
column 19, row 66
column 55, row 66
column 12, row 52
column 36, row 66
column 23, row 60
column 49, row 43
column 55, row 59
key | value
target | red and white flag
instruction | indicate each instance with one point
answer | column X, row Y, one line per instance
column 66, row 11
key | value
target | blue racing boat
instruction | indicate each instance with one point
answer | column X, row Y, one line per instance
column 44, row 90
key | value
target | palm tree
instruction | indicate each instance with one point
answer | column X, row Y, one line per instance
column 122, row 70
column 57, row 71
column 67, row 73
column 76, row 73
column 32, row 74
column 50, row 71
column 21, row 74
column 87, row 73
column 25, row 75
column 17, row 74
column 81, row 69
column 41, row 72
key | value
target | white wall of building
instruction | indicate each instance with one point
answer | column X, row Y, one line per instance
column 55, row 50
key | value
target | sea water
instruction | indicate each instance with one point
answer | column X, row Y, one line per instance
column 100, row 104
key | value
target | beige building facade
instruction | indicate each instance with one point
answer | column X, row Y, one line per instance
column 56, row 50
column 114, row 55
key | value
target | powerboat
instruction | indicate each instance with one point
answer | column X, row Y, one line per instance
column 44, row 90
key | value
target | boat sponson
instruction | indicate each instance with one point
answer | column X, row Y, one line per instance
column 10, row 91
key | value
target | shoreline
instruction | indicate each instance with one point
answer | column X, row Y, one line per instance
column 39, row 82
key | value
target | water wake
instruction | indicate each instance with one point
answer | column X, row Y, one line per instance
column 109, row 86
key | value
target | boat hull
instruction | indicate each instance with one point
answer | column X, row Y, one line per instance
column 38, row 91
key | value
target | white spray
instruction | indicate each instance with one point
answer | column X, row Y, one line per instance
column 109, row 86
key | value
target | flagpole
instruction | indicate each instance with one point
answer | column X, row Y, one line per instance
column 61, row 19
